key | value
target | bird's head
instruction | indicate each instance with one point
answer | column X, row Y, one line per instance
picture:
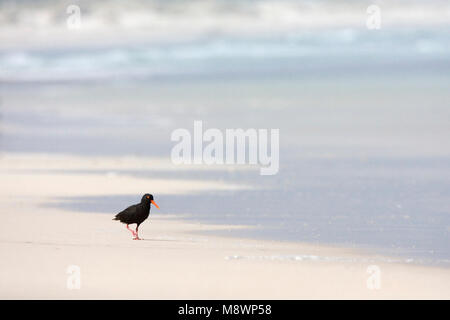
column 148, row 198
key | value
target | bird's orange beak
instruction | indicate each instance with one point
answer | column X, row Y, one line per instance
column 154, row 203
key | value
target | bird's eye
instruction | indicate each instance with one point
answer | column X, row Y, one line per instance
column 148, row 197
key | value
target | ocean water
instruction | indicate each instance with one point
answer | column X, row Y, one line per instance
column 363, row 114
column 187, row 39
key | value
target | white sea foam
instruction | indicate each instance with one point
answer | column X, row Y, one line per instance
column 342, row 259
column 219, row 16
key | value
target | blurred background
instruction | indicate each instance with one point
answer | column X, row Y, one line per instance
column 363, row 113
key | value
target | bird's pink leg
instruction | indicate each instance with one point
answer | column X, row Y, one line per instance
column 132, row 231
column 136, row 234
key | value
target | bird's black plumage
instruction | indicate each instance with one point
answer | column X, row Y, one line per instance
column 136, row 213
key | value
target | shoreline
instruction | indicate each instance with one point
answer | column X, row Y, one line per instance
column 40, row 245
column 106, row 180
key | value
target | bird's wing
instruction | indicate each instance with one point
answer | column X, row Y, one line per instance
column 128, row 212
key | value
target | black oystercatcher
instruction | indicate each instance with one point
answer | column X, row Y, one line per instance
column 136, row 213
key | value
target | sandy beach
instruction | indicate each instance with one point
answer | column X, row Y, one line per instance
column 176, row 259
column 99, row 100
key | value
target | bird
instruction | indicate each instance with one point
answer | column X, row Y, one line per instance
column 136, row 213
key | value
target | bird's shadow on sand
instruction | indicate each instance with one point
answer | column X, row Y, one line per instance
column 159, row 240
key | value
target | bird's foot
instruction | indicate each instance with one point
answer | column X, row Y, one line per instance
column 137, row 238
